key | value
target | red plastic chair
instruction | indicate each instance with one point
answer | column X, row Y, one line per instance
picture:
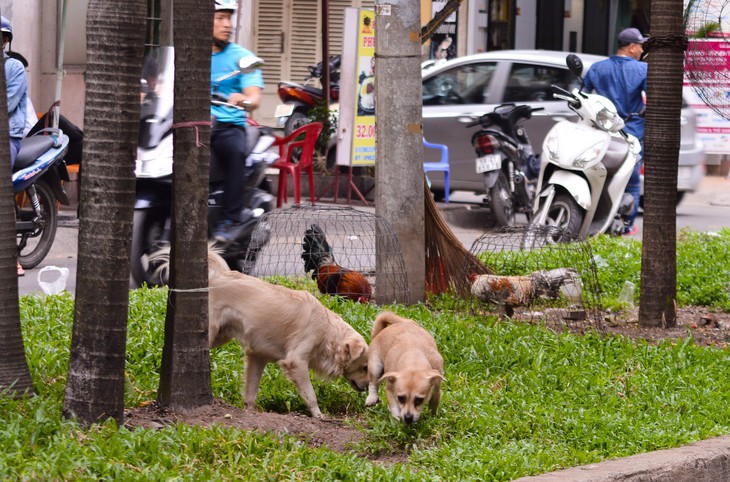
column 285, row 165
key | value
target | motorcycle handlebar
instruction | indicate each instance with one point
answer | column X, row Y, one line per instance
column 220, row 99
column 486, row 120
column 563, row 94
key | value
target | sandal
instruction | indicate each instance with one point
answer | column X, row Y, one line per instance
column 21, row 271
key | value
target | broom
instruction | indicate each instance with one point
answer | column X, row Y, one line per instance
column 448, row 263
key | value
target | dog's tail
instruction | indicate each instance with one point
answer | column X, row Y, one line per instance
column 384, row 320
column 160, row 262
column 160, row 259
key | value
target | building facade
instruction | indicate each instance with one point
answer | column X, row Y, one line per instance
column 288, row 35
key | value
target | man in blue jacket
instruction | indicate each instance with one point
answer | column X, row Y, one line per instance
column 622, row 79
column 228, row 140
column 17, row 88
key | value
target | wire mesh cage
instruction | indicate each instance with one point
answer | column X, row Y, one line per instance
column 537, row 273
column 329, row 244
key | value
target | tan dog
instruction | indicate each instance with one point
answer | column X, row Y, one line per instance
column 277, row 324
column 404, row 355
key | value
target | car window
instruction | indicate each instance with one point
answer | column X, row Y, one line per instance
column 464, row 84
column 531, row 83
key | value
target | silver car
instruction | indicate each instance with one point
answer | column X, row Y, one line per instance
column 458, row 91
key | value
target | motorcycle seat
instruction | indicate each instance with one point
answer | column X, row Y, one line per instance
column 615, row 155
column 313, row 90
column 30, row 149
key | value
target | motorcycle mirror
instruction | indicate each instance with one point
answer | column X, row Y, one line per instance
column 249, row 64
column 575, row 65
column 245, row 66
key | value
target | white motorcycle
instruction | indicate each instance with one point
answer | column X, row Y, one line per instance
column 585, row 168
column 153, row 199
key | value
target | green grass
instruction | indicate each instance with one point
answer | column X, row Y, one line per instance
column 518, row 399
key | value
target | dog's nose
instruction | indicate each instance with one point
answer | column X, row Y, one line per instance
column 408, row 418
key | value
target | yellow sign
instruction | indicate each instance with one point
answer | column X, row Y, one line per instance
column 363, row 139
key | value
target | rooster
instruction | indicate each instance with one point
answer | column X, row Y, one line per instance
column 332, row 279
column 511, row 291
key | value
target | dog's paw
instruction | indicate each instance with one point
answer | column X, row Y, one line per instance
column 371, row 400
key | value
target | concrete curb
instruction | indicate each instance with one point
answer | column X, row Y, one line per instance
column 708, row 460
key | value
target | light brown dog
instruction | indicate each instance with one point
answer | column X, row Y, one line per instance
column 404, row 355
column 277, row 324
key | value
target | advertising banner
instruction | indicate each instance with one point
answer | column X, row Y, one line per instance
column 708, row 65
column 363, row 132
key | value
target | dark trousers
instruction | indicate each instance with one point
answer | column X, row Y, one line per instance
column 228, row 167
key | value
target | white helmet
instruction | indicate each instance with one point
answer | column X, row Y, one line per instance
column 231, row 5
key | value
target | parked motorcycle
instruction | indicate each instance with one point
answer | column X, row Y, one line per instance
column 299, row 99
column 37, row 175
column 152, row 212
column 585, row 167
column 504, row 155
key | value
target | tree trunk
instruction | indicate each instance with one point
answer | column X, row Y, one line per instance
column 399, row 132
column 185, row 373
column 14, row 373
column 661, row 140
column 115, row 48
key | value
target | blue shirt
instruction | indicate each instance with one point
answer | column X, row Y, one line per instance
column 17, row 88
column 223, row 63
column 621, row 80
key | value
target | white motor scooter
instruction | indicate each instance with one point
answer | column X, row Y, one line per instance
column 585, row 167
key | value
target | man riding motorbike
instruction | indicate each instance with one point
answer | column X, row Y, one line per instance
column 228, row 139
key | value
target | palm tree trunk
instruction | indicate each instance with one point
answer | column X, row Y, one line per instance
column 185, row 372
column 662, row 138
column 14, row 372
column 115, row 47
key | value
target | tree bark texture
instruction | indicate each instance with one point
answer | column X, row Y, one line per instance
column 115, row 49
column 185, row 373
column 657, row 305
column 399, row 133
column 14, row 372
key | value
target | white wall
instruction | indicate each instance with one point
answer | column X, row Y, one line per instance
column 526, row 24
column 574, row 23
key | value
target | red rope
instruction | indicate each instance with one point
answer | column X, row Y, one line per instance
column 196, row 125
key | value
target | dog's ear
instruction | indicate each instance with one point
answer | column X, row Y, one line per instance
column 434, row 375
column 355, row 348
column 389, row 377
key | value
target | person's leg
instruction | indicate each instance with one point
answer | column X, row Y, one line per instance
column 14, row 149
column 634, row 188
column 228, row 155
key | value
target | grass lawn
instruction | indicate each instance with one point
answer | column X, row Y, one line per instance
column 519, row 399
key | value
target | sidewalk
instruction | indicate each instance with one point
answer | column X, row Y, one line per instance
column 713, row 191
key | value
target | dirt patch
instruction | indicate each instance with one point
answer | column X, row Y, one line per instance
column 707, row 327
column 332, row 432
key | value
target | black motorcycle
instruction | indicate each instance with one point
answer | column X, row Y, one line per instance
column 506, row 159
column 37, row 183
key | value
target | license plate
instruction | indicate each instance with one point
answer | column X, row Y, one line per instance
column 490, row 162
column 284, row 110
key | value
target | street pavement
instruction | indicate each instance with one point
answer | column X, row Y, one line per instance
column 707, row 209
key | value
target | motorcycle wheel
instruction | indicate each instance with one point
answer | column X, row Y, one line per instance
column 147, row 237
column 565, row 213
column 501, row 202
column 41, row 236
column 294, row 122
